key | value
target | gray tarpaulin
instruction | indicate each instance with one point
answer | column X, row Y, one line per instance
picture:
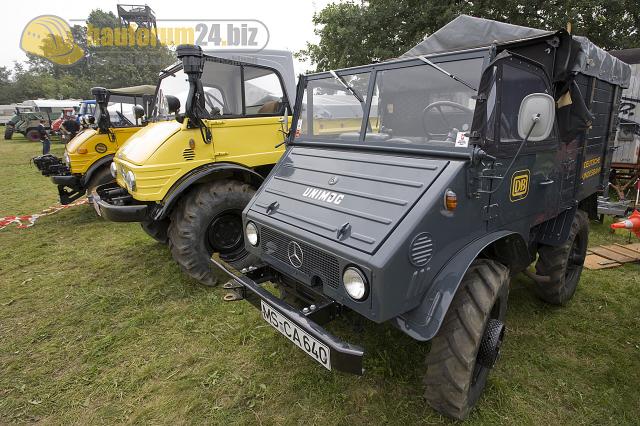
column 467, row 32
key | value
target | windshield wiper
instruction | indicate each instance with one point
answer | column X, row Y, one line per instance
column 346, row 86
column 442, row 70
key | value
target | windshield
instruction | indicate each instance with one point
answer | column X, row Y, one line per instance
column 87, row 108
column 416, row 104
column 121, row 110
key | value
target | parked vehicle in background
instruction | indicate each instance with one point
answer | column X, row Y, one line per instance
column 29, row 113
column 87, row 108
column 88, row 156
column 217, row 130
column 7, row 112
column 66, row 114
column 484, row 153
column 25, row 121
column 625, row 164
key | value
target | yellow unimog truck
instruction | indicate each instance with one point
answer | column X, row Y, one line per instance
column 217, row 130
column 88, row 156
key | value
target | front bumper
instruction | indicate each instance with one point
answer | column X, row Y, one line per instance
column 114, row 203
column 343, row 356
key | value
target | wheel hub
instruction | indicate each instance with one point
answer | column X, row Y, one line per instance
column 492, row 338
column 225, row 232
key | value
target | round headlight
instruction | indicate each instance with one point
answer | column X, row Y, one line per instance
column 251, row 231
column 114, row 170
column 130, row 178
column 355, row 283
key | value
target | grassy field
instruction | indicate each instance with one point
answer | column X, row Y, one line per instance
column 98, row 325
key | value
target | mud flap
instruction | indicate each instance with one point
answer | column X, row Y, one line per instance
column 555, row 232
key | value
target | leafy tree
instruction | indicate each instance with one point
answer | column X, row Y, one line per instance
column 354, row 33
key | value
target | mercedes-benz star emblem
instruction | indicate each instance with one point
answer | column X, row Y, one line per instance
column 294, row 251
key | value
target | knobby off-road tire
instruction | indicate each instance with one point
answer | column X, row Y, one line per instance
column 157, row 229
column 209, row 220
column 8, row 133
column 563, row 264
column 99, row 177
column 33, row 135
column 454, row 379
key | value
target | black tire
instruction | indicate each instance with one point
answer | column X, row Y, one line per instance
column 455, row 379
column 33, row 135
column 99, row 177
column 157, row 229
column 563, row 264
column 8, row 132
column 197, row 223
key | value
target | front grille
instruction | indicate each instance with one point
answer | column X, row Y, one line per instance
column 188, row 154
column 315, row 263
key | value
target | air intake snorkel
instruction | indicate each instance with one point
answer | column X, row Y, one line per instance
column 102, row 100
column 193, row 64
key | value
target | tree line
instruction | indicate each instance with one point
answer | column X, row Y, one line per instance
column 360, row 32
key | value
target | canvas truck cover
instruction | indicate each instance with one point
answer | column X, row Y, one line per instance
column 468, row 32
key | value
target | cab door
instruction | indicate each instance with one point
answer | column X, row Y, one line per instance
column 248, row 135
column 527, row 190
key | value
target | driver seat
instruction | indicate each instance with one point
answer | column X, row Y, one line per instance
column 270, row 107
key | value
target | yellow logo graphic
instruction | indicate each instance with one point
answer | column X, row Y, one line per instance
column 50, row 37
column 519, row 185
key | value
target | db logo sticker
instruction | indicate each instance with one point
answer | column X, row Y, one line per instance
column 519, row 185
column 101, row 148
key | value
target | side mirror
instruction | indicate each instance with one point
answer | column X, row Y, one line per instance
column 138, row 111
column 173, row 104
column 538, row 108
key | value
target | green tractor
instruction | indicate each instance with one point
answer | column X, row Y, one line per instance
column 25, row 122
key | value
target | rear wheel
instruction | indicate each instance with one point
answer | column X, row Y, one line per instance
column 563, row 264
column 8, row 132
column 33, row 135
column 157, row 229
column 468, row 343
column 209, row 220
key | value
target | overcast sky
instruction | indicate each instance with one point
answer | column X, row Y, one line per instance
column 288, row 21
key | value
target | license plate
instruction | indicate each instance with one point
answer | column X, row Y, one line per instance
column 316, row 350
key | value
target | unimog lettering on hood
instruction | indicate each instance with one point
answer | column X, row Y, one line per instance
column 322, row 195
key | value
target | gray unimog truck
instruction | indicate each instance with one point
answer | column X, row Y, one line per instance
column 479, row 152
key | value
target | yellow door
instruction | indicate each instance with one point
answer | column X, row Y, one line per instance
column 247, row 141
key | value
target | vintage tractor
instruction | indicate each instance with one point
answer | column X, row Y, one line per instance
column 479, row 152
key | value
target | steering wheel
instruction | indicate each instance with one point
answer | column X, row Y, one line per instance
column 124, row 119
column 209, row 99
column 437, row 105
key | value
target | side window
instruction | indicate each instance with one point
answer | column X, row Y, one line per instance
column 262, row 91
column 516, row 84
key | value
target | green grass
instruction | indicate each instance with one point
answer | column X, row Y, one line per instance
column 98, row 325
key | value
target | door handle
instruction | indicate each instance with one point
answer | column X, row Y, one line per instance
column 546, row 182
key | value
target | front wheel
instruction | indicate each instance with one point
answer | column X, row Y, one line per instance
column 99, row 177
column 468, row 342
column 209, row 220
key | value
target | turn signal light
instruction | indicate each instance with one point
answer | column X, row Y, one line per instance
column 450, row 200
column 82, row 150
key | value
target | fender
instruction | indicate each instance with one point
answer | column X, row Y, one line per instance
column 423, row 322
column 94, row 167
column 198, row 175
